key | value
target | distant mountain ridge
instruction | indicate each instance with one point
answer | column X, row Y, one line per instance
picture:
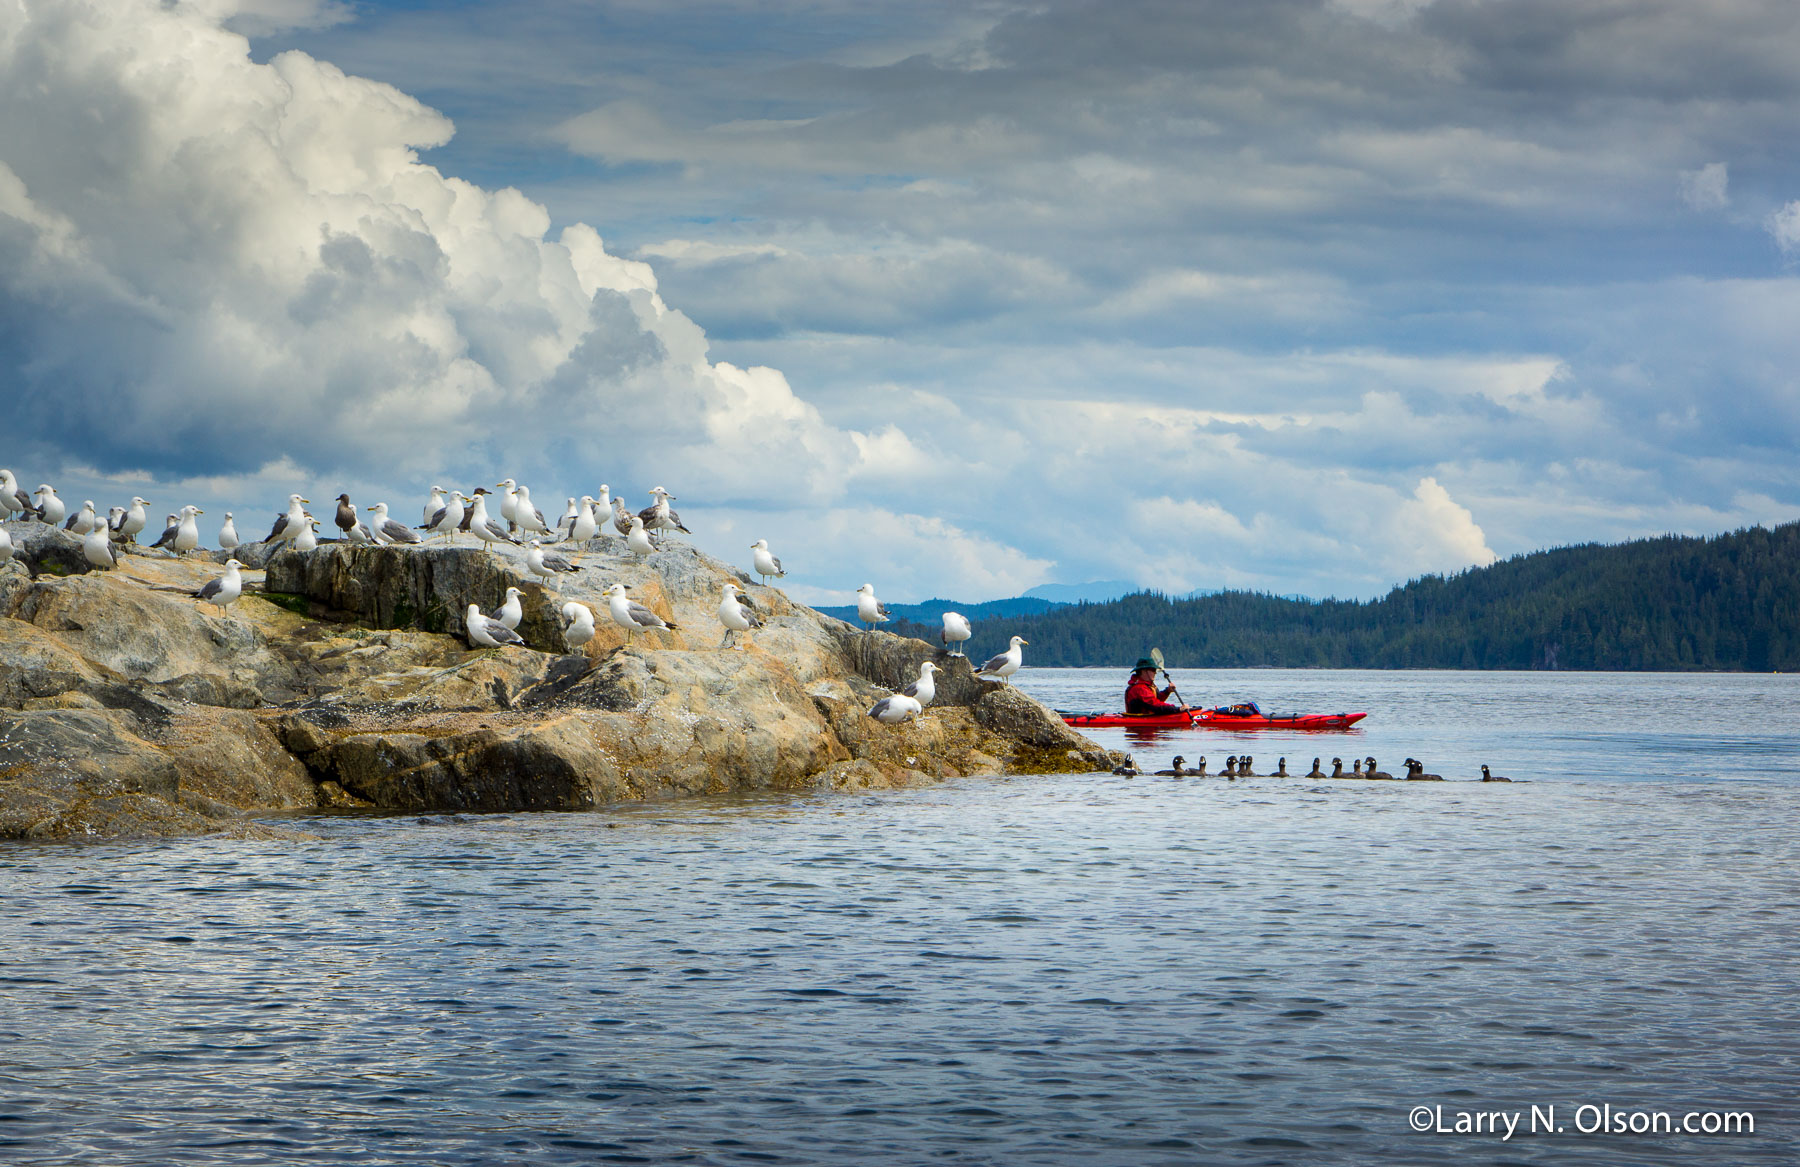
column 1723, row 602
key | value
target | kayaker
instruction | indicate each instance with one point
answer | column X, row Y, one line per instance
column 1141, row 694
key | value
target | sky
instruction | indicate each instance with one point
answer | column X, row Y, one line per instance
column 1303, row 296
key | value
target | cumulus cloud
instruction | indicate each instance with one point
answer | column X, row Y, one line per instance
column 1784, row 225
column 212, row 264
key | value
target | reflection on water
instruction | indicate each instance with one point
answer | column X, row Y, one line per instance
column 1072, row 969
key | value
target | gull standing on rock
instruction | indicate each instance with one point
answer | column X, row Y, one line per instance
column 224, row 591
column 1006, row 664
column 348, row 520
column 171, row 528
column 766, row 564
column 509, row 502
column 658, row 516
column 487, row 632
column 621, row 518
column 13, row 501
column 737, row 615
column 956, row 631
column 388, row 530
column 228, row 536
column 632, row 616
column 869, row 609
column 135, row 520
column 187, row 531
column 484, row 528
column 526, row 515
column 924, row 689
column 83, row 520
column 115, row 518
column 447, row 518
column 578, row 624
column 433, row 507
column 565, row 526
column 638, row 539
column 97, row 547
column 546, row 565
column 603, row 505
column 308, row 538
column 585, row 526
column 287, row 527
column 511, row 611
column 50, row 509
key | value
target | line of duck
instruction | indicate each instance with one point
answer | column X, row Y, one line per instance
column 1244, row 766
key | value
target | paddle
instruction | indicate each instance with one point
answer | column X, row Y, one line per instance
column 1157, row 656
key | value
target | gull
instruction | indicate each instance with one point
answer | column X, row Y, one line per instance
column 306, row 540
column 12, row 499
column 735, row 614
column 6, row 545
column 287, row 527
column 115, row 518
column 509, row 502
column 603, row 505
column 896, row 709
column 434, row 506
column 545, row 564
column 83, row 520
column 388, row 530
column 228, row 536
column 1006, row 664
column 97, row 547
column 171, row 528
column 224, row 591
column 585, row 526
column 766, row 565
column 488, row 632
column 348, row 520
column 527, row 517
column 484, row 528
column 869, row 609
column 925, row 688
column 658, row 517
column 578, row 624
column 621, row 517
column 565, row 526
column 638, row 539
column 187, row 531
column 511, row 611
column 50, row 509
column 632, row 616
column 135, row 518
column 447, row 518
column 956, row 631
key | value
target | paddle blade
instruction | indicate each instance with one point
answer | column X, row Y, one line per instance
column 1157, row 656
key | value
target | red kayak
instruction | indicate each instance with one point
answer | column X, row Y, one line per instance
column 1244, row 716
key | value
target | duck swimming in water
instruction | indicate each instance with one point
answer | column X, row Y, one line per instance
column 1356, row 767
column 1230, row 770
column 1176, row 772
column 1281, row 769
column 1337, row 768
column 1316, row 772
column 1244, row 768
column 1369, row 771
column 1127, row 768
column 1200, row 770
column 1415, row 772
column 1489, row 776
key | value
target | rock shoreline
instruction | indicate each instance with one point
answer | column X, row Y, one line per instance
column 129, row 711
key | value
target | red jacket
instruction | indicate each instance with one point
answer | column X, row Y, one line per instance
column 1142, row 697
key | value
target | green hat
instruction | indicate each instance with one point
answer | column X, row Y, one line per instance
column 1144, row 662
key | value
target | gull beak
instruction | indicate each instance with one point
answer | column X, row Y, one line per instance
column 198, row 511
column 368, row 508
column 307, row 501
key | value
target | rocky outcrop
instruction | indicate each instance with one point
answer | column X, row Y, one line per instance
column 127, row 707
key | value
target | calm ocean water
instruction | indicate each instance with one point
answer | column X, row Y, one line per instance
column 1072, row 969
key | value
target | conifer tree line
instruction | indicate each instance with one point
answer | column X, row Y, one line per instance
column 1725, row 602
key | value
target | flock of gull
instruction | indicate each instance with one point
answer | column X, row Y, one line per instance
column 450, row 514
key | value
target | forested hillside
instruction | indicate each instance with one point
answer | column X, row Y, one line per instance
column 1726, row 602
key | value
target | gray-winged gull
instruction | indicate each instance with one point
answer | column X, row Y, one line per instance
column 658, row 516
column 13, row 501
column 388, row 530
column 736, row 614
column 766, row 564
column 225, row 590
column 50, row 508
column 584, row 526
column 481, row 526
column 96, row 545
column 135, row 519
column 83, row 520
column 956, row 631
column 187, row 531
column 578, row 624
column 638, row 539
column 924, row 689
column 287, row 527
column 565, row 526
column 447, row 518
column 869, row 609
column 1006, row 664
column 527, row 517
column 488, row 632
column 509, row 503
column 228, row 536
column 896, row 709
column 632, row 616
column 432, row 507
column 511, row 611
column 167, row 538
column 546, row 565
